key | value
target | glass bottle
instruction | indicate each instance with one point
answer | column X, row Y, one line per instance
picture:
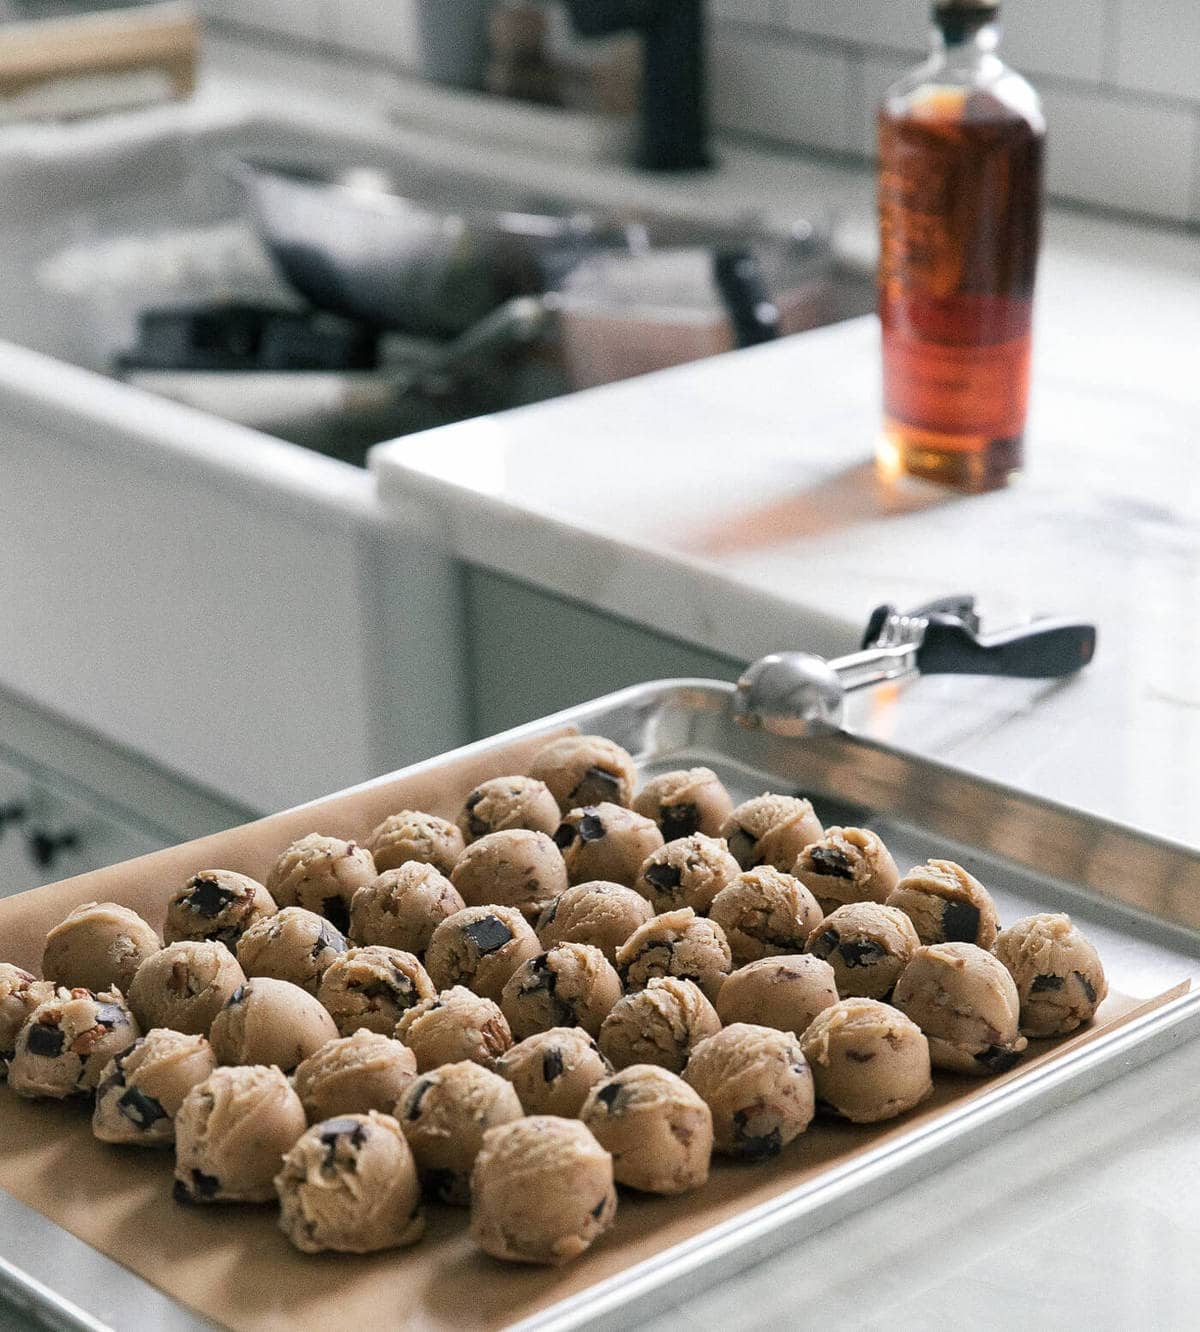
column 961, row 142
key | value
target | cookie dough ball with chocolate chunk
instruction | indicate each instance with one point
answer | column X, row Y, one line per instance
column 509, row 802
column 349, row 1185
column 63, row 1048
column 321, row 874
column 455, row 1025
column 354, row 1074
column 1060, row 979
column 847, row 865
column 542, row 1191
column 771, row 830
column 967, row 1005
column 413, row 835
column 142, row 1089
column 946, row 904
column 444, row 1115
column 677, row 943
column 658, row 1129
column 293, row 945
column 570, row 985
column 585, row 770
column 403, row 907
column 517, row 868
column 685, row 802
column 867, row 945
column 97, row 946
column 765, row 912
column 217, row 904
column 553, row 1071
column 597, row 913
column 757, row 1085
column 373, row 987
column 184, row 986
column 659, row 1025
column 480, row 947
column 270, row 1022
column 869, row 1061
column 230, row 1133
column 784, row 992
column 688, row 872
column 20, row 993
column 606, row 842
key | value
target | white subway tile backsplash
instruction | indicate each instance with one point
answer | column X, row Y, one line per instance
column 903, row 24
column 383, row 29
column 1063, row 37
column 878, row 75
column 1158, row 46
column 746, row 11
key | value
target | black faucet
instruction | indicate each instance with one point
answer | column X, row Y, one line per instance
column 674, row 134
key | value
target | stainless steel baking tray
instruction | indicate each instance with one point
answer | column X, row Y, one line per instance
column 1137, row 896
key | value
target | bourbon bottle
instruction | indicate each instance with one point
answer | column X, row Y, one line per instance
column 961, row 143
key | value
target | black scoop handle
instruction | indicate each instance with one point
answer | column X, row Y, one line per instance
column 1042, row 650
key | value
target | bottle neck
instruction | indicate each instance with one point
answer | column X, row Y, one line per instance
column 965, row 39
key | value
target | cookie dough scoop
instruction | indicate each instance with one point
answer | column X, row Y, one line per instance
column 771, row 830
column 946, row 904
column 847, row 865
column 783, row 992
column 686, row 801
column 184, row 986
column 63, row 1048
column 444, row 1115
column 868, row 946
column 349, row 1185
column 217, row 904
column 453, row 1026
column 967, row 1005
column 597, row 913
column 1058, row 973
column 270, row 1022
column 321, row 874
column 354, row 1074
column 758, row 1086
column 373, row 987
column 606, row 842
column 143, row 1088
column 677, row 943
column 515, row 868
column 542, row 1191
column 20, row 993
column 230, row 1133
column 585, row 770
column 570, row 985
column 553, row 1071
column 414, row 835
column 402, row 907
column 98, row 946
column 765, row 912
column 689, row 872
column 509, row 802
column 480, row 947
column 869, row 1061
column 659, row 1025
column 293, row 945
column 658, row 1129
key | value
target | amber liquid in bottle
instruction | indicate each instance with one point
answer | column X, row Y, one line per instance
column 960, row 195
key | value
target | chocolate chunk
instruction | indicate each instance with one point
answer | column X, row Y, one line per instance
column 441, row 1185
column 591, row 828
column 825, row 943
column 609, row 1095
column 236, row 997
column 597, row 787
column 598, row 1210
column 487, row 934
column 419, row 1092
column 832, row 861
column 755, row 1146
column 552, row 1064
column 678, row 821
column 478, row 827
column 139, row 1108
column 564, row 835
column 328, row 938
column 743, row 848
column 1088, row 988
column 860, row 1056
column 204, row 1186
column 207, row 898
column 335, row 910
column 960, row 922
column 666, row 878
column 1040, row 984
column 111, row 1015
column 45, row 1040
column 997, row 1058
column 334, row 1131
column 548, row 915
column 861, row 952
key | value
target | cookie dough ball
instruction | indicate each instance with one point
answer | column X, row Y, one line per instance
column 771, row 830
column 480, row 947
column 1060, row 979
column 869, row 1061
column 412, row 835
column 570, row 985
column 270, row 1022
column 867, row 945
column 230, row 1133
column 847, row 865
column 946, row 904
column 97, row 946
column 553, row 1071
column 402, row 907
column 687, row 872
column 509, row 802
column 677, row 943
column 585, row 770
column 349, row 1185
column 658, row 1129
column 293, row 945
column 184, row 986
column 765, row 912
column 321, row 874
column 455, row 1025
column 597, row 913
column 63, row 1048
column 783, row 992
column 373, row 987
column 142, row 1089
column 659, row 1025
column 517, row 868
column 967, row 1005
column 757, row 1085
column 20, row 993
column 217, row 904
column 354, row 1074
column 542, row 1191
column 444, row 1115
column 685, row 802
column 606, row 842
